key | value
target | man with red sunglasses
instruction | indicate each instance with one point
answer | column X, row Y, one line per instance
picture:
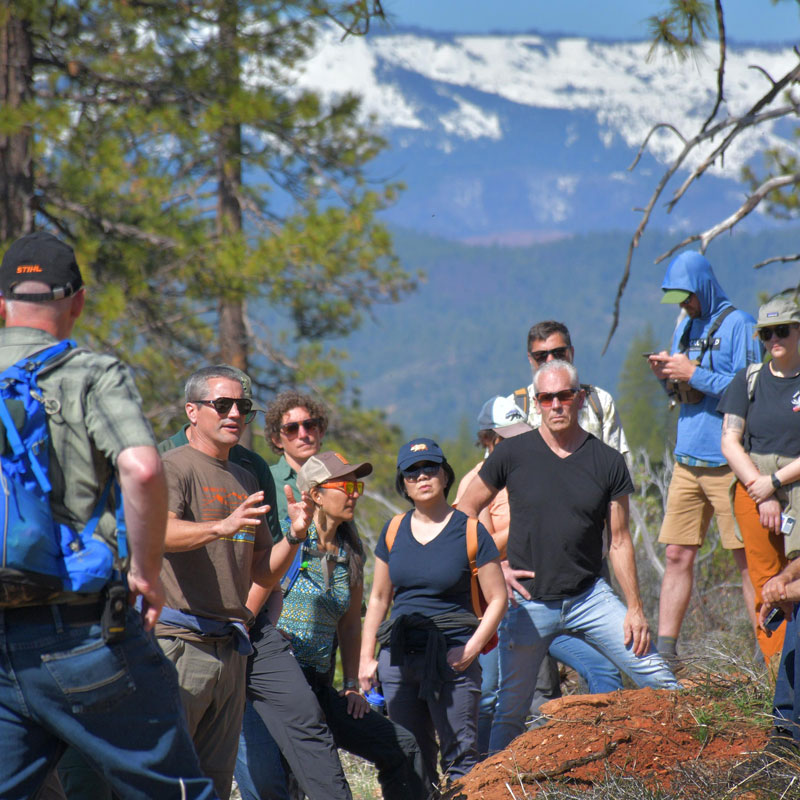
column 710, row 344
column 563, row 485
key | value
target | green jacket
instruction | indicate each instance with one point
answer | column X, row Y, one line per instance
column 254, row 464
column 284, row 475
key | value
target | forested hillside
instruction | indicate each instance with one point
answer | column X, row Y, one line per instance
column 431, row 360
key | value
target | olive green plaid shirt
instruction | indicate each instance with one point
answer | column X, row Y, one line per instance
column 95, row 412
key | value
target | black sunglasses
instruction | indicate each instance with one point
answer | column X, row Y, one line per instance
column 293, row 428
column 540, row 356
column 223, row 406
column 428, row 470
column 781, row 331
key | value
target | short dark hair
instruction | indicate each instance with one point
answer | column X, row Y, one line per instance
column 542, row 330
column 282, row 404
column 400, row 484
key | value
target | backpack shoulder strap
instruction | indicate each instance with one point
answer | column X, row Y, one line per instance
column 391, row 531
column 522, row 400
column 751, row 376
column 472, row 555
column 593, row 398
column 718, row 320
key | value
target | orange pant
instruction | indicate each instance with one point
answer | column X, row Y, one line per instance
column 765, row 558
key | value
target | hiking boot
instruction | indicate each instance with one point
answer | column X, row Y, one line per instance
column 679, row 668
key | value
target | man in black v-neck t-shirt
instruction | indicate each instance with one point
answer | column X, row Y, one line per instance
column 563, row 483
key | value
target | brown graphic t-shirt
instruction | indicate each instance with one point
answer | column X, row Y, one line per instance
column 214, row 580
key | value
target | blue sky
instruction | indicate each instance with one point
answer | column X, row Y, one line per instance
column 746, row 20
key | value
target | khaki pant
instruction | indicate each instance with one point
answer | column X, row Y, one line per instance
column 211, row 676
column 695, row 495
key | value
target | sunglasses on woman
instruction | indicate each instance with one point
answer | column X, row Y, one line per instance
column 418, row 470
column 293, row 428
column 223, row 406
column 350, row 488
column 780, row 331
column 565, row 397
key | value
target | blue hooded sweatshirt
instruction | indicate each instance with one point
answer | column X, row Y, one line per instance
column 700, row 425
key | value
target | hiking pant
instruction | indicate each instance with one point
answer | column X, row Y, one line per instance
column 287, row 706
column 765, row 559
column 786, row 708
column 453, row 717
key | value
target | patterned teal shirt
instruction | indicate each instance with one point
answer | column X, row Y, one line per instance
column 311, row 611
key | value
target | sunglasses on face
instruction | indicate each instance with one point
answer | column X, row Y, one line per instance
column 223, row 406
column 780, row 332
column 418, row 470
column 540, row 356
column 565, row 397
column 293, row 428
column 350, row 488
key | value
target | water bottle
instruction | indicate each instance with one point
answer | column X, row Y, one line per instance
column 376, row 700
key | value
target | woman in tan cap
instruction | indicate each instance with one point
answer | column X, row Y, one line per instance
column 323, row 591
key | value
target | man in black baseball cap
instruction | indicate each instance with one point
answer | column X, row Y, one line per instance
column 40, row 257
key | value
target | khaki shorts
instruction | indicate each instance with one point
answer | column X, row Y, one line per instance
column 695, row 495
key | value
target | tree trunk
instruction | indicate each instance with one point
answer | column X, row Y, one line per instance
column 232, row 333
column 16, row 159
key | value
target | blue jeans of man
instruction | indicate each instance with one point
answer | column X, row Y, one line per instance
column 786, row 710
column 60, row 684
column 597, row 615
column 596, row 671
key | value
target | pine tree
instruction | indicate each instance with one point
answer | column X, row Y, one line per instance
column 221, row 213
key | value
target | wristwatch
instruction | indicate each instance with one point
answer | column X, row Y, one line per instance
column 776, row 483
column 350, row 684
column 293, row 539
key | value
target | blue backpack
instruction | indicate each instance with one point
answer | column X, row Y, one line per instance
column 37, row 550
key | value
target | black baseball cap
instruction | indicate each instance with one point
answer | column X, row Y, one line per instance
column 40, row 256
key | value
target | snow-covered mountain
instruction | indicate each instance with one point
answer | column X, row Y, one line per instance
column 530, row 136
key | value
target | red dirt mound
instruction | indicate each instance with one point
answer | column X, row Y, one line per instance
column 643, row 731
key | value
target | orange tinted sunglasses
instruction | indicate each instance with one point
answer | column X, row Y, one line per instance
column 348, row 487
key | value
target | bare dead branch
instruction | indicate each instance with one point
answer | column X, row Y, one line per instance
column 740, row 123
column 652, row 130
column 749, row 204
column 778, row 260
column 721, row 67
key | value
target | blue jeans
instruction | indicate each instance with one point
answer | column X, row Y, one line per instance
column 599, row 674
column 116, row 704
column 786, row 711
column 259, row 772
column 526, row 632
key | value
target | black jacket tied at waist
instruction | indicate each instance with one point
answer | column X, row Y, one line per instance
column 394, row 633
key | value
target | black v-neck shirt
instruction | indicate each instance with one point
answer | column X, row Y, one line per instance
column 558, row 509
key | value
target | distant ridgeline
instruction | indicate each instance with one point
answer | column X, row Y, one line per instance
column 432, row 360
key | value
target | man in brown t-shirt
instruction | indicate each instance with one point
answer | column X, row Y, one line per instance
column 217, row 546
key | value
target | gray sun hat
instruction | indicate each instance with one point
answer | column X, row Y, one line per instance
column 780, row 310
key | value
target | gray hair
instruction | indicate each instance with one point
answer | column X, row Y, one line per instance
column 556, row 366
column 196, row 387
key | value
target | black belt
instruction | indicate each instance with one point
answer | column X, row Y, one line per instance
column 84, row 614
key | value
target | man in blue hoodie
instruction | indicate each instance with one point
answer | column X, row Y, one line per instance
column 709, row 346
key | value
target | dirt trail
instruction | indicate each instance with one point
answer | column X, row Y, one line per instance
column 644, row 731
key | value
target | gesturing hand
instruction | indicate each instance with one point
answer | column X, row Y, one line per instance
column 248, row 514
column 300, row 511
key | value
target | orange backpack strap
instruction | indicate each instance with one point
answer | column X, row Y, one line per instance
column 391, row 531
column 472, row 555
